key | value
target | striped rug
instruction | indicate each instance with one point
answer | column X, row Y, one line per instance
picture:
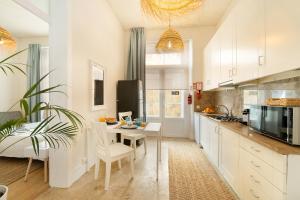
column 13, row 169
column 191, row 176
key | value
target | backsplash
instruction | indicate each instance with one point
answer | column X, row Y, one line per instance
column 239, row 98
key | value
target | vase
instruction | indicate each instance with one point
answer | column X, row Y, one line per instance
column 3, row 191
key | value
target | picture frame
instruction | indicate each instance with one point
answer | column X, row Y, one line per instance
column 97, row 86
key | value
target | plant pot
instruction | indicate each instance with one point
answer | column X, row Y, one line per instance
column 3, row 192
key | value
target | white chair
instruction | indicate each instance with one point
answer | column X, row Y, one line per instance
column 43, row 156
column 109, row 152
column 133, row 137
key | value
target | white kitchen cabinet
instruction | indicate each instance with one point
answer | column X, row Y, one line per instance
column 213, row 130
column 197, row 127
column 204, row 134
column 209, row 138
column 229, row 156
column 212, row 64
column 282, row 26
column 250, row 39
column 228, row 48
column 207, row 68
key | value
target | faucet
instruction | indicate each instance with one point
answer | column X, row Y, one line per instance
column 227, row 110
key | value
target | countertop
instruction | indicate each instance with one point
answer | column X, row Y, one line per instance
column 265, row 141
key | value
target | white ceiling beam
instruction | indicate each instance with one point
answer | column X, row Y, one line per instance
column 28, row 5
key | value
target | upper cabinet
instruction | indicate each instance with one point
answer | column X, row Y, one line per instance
column 250, row 39
column 282, row 25
column 258, row 38
column 212, row 64
column 227, row 45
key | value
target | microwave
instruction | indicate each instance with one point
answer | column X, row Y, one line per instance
column 281, row 123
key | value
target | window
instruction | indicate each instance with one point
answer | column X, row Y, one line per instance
column 153, row 103
column 164, row 59
column 174, row 104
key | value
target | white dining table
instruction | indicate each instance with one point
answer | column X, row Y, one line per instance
column 150, row 128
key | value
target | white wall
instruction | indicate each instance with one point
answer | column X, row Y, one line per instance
column 13, row 86
column 81, row 32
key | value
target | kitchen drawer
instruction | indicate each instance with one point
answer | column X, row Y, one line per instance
column 257, row 187
column 272, row 175
column 273, row 158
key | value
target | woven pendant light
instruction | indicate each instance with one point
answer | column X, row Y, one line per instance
column 6, row 38
column 162, row 9
column 170, row 41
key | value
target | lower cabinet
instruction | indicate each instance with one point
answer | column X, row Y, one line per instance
column 209, row 138
column 252, row 170
column 229, row 157
column 197, row 127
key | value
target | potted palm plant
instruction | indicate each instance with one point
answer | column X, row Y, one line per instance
column 58, row 127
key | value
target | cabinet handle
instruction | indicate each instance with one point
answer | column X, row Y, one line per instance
column 255, row 165
column 253, row 194
column 253, row 179
column 261, row 60
column 216, row 129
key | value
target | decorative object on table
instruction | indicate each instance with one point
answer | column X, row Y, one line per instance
column 6, row 38
column 97, row 87
column 170, row 41
column 129, row 126
column 3, row 192
column 163, row 9
column 283, row 102
column 111, row 121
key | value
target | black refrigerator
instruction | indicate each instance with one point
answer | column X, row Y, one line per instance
column 130, row 98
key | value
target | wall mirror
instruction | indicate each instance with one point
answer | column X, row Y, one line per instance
column 97, row 86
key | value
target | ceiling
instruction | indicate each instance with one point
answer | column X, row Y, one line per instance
column 20, row 22
column 208, row 14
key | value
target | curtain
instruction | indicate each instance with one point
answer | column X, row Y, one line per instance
column 33, row 75
column 136, row 59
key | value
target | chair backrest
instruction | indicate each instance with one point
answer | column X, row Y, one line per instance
column 102, row 142
column 123, row 115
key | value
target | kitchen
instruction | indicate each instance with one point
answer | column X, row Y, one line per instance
column 251, row 64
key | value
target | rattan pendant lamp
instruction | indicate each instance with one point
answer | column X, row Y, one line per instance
column 162, row 9
column 6, row 38
column 170, row 41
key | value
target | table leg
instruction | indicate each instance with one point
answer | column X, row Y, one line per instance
column 28, row 169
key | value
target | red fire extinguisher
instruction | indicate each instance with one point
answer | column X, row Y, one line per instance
column 190, row 99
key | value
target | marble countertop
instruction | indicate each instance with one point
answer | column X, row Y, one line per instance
column 265, row 141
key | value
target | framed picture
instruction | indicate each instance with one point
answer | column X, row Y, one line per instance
column 97, row 86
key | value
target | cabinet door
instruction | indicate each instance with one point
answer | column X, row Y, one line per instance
column 214, row 143
column 229, row 156
column 250, row 39
column 207, row 68
column 215, row 61
column 227, row 35
column 204, row 134
column 282, row 24
column 197, row 127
